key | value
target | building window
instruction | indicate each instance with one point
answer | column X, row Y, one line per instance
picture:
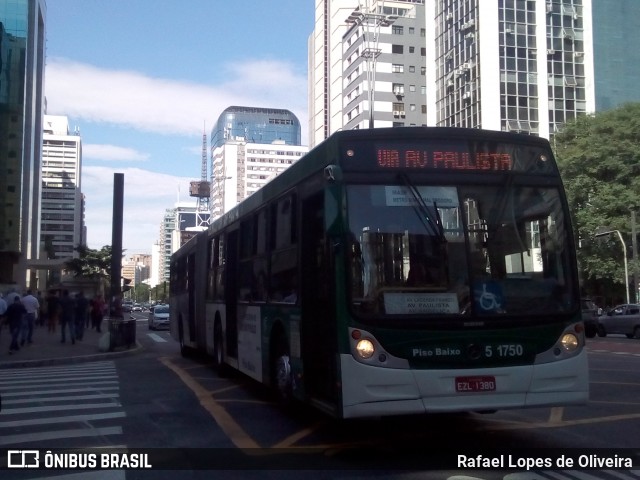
column 397, row 30
column 397, row 48
column 397, row 68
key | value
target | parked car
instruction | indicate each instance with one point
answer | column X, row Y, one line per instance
column 159, row 317
column 136, row 308
column 624, row 319
column 589, row 317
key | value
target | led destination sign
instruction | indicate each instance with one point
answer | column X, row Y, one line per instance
column 398, row 158
column 470, row 156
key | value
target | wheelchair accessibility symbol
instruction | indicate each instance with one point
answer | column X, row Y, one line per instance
column 488, row 297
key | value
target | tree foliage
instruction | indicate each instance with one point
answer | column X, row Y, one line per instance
column 599, row 160
column 90, row 263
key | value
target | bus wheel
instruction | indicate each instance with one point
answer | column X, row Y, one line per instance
column 218, row 351
column 184, row 350
column 281, row 371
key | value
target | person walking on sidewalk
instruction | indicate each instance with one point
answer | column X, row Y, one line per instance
column 82, row 313
column 15, row 313
column 67, row 314
column 53, row 310
column 32, row 306
column 97, row 312
column 42, row 313
column 3, row 310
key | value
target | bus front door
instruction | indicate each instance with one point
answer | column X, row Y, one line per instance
column 319, row 345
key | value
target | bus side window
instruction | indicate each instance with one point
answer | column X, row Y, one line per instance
column 212, row 262
column 219, row 270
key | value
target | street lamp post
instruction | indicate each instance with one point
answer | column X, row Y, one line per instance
column 624, row 250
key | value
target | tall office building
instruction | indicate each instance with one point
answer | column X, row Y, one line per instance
column 256, row 125
column 249, row 147
column 616, row 52
column 22, row 40
column 62, row 207
column 325, row 52
column 178, row 226
column 511, row 65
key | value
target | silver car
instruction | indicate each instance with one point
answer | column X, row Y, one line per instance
column 624, row 319
column 159, row 317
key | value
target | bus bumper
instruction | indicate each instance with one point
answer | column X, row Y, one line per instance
column 374, row 391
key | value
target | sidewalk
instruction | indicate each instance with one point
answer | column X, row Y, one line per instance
column 47, row 348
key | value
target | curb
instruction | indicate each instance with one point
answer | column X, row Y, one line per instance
column 71, row 360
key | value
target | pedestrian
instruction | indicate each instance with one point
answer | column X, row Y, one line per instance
column 67, row 314
column 82, row 313
column 3, row 311
column 32, row 306
column 42, row 312
column 97, row 312
column 53, row 310
column 14, row 313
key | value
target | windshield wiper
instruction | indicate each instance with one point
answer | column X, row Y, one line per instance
column 422, row 210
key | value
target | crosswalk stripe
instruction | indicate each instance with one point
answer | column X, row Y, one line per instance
column 28, row 394
column 80, row 400
column 156, row 337
column 57, row 434
column 58, row 419
column 60, row 398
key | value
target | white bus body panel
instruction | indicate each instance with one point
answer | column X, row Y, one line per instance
column 375, row 391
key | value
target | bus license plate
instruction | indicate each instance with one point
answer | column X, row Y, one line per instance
column 476, row 384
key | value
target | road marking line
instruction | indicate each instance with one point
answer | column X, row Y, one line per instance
column 566, row 423
column 292, row 439
column 229, row 426
column 156, row 338
column 555, row 416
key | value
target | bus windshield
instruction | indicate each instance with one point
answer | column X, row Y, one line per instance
column 458, row 250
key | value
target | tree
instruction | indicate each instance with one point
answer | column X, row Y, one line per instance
column 90, row 263
column 599, row 160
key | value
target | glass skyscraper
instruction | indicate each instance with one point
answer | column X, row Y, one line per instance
column 256, row 125
column 22, row 39
column 616, row 52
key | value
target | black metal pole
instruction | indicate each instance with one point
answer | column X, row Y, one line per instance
column 116, row 245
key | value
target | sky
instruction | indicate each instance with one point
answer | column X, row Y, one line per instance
column 143, row 80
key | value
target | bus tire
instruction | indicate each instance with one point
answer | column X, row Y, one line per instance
column 218, row 351
column 184, row 350
column 281, row 377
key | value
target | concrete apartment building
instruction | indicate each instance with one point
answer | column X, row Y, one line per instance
column 62, row 226
column 384, row 65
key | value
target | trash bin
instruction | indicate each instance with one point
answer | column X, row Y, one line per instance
column 122, row 333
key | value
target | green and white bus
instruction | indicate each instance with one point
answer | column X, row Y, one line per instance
column 395, row 271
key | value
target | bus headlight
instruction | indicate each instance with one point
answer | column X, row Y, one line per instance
column 365, row 348
column 569, row 342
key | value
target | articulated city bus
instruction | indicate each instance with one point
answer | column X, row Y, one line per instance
column 395, row 271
